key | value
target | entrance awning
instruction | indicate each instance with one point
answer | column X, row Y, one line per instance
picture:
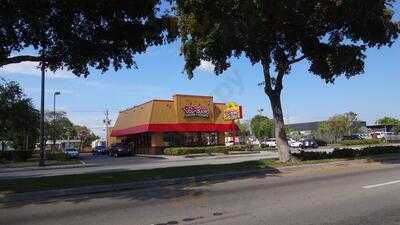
column 180, row 127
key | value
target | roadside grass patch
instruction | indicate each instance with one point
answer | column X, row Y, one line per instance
column 80, row 180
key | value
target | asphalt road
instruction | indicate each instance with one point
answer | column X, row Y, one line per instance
column 360, row 194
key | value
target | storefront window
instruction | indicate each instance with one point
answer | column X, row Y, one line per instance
column 190, row 139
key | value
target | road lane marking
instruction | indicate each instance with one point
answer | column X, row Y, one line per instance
column 381, row 184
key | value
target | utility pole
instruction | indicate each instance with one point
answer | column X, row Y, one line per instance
column 54, row 118
column 42, row 144
column 107, row 122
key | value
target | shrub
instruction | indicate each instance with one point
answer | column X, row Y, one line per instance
column 347, row 153
column 58, row 156
column 205, row 149
column 23, row 156
column 7, row 155
column 19, row 156
column 360, row 142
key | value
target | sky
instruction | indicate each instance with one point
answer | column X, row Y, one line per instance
column 372, row 95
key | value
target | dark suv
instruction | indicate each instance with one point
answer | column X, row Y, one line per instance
column 120, row 149
column 309, row 143
column 100, row 150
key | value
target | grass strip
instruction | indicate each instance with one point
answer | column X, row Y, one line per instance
column 20, row 185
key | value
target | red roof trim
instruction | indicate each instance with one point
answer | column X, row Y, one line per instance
column 179, row 127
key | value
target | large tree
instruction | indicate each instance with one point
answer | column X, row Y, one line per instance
column 262, row 127
column 19, row 120
column 331, row 35
column 388, row 121
column 77, row 34
column 58, row 127
column 338, row 126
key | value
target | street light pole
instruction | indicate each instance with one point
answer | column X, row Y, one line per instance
column 42, row 144
column 54, row 117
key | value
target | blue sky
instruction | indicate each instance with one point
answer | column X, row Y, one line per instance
column 306, row 97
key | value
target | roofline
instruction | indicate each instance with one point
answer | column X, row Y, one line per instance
column 136, row 106
column 167, row 100
column 200, row 96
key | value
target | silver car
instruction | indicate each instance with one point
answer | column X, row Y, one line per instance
column 72, row 152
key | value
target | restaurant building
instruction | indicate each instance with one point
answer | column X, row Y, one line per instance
column 186, row 120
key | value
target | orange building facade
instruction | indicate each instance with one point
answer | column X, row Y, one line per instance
column 186, row 120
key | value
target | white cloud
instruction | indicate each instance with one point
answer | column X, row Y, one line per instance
column 206, row 66
column 32, row 69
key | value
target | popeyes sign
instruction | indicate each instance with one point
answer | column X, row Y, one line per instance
column 232, row 111
column 196, row 111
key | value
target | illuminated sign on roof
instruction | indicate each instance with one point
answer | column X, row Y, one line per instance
column 196, row 111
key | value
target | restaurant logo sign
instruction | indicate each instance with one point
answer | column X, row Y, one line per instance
column 232, row 111
column 196, row 111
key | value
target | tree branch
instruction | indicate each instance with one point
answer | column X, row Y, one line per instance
column 267, row 78
column 279, row 81
column 20, row 58
column 297, row 60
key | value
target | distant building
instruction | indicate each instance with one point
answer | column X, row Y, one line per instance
column 306, row 129
column 62, row 144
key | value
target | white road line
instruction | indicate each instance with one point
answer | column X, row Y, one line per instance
column 381, row 184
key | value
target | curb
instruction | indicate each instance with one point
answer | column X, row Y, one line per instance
column 42, row 195
column 151, row 156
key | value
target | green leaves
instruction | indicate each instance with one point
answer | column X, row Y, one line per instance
column 388, row 121
column 19, row 119
column 76, row 35
column 331, row 35
column 262, row 127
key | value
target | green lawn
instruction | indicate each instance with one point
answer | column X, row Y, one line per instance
column 68, row 181
column 35, row 162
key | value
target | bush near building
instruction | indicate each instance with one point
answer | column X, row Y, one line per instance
column 347, row 153
column 205, row 149
column 17, row 156
column 361, row 142
column 58, row 156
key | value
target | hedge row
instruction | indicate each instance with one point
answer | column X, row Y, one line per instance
column 347, row 153
column 58, row 156
column 205, row 149
column 361, row 142
column 19, row 156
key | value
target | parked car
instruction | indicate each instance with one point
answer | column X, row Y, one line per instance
column 229, row 143
column 309, row 143
column 120, row 149
column 382, row 135
column 351, row 137
column 100, row 150
column 271, row 142
column 72, row 152
column 295, row 144
column 321, row 142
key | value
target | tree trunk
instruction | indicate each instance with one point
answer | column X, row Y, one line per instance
column 280, row 135
column 273, row 90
